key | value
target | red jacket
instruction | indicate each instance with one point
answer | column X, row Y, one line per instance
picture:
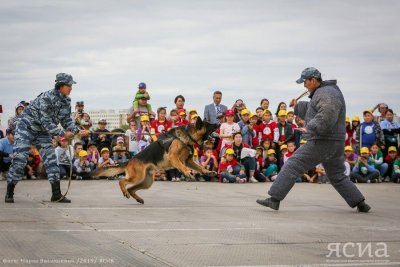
column 223, row 166
column 266, row 130
column 160, row 127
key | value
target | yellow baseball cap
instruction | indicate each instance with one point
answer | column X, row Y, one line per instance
column 348, row 148
column 104, row 149
column 364, row 150
column 283, row 147
column 267, row 111
column 271, row 151
column 144, row 118
column 229, row 151
column 347, row 119
column 355, row 118
column 192, row 111
column 282, row 113
column 392, row 149
column 302, row 141
column 253, row 115
column 83, row 153
column 244, row 112
column 194, row 116
column 367, row 111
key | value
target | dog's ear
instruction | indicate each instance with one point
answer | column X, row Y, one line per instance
column 199, row 123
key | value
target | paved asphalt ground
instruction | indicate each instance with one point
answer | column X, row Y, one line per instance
column 197, row 224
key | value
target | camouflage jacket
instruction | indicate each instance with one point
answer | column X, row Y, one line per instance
column 47, row 111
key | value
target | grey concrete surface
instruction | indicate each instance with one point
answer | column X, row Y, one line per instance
column 197, row 224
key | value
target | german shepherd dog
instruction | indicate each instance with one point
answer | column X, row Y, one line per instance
column 174, row 149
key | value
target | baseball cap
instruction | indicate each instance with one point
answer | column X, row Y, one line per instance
column 355, row 118
column 364, row 150
column 302, row 141
column 392, row 149
column 283, row 147
column 120, row 139
column 229, row 112
column 347, row 119
column 80, row 103
column 271, row 151
column 193, row 111
column 267, row 111
column 229, row 151
column 253, row 115
column 83, row 153
column 142, row 85
column 282, row 113
column 245, row 111
column 102, row 121
column 348, row 148
column 194, row 116
column 181, row 112
column 144, row 118
column 309, row 73
column 367, row 111
column 64, row 78
column 104, row 149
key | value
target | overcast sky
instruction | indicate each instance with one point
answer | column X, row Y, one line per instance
column 246, row 49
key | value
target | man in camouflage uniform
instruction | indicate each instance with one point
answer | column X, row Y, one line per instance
column 37, row 125
column 325, row 132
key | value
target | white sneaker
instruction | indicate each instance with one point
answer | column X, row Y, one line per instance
column 253, row 180
column 33, row 177
column 177, row 179
column 173, row 179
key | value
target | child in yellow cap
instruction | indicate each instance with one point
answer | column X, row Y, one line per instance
column 364, row 170
column 231, row 171
column 82, row 165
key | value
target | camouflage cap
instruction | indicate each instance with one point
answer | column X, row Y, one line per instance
column 65, row 78
column 309, row 73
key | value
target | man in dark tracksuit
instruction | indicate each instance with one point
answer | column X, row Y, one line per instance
column 37, row 125
column 325, row 134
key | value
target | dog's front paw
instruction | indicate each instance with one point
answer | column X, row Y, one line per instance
column 211, row 173
column 190, row 178
column 126, row 194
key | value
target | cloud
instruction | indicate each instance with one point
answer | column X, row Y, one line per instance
column 249, row 50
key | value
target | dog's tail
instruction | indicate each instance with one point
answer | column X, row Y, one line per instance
column 109, row 171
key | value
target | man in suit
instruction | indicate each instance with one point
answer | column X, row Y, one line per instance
column 212, row 110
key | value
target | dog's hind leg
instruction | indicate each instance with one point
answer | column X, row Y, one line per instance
column 145, row 184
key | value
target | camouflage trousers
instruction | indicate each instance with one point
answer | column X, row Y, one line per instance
column 24, row 138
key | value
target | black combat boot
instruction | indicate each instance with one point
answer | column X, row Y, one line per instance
column 269, row 202
column 57, row 196
column 10, row 193
column 363, row 207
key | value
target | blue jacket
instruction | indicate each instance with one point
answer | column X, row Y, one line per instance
column 47, row 111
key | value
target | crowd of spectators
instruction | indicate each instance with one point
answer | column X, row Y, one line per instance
column 248, row 146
